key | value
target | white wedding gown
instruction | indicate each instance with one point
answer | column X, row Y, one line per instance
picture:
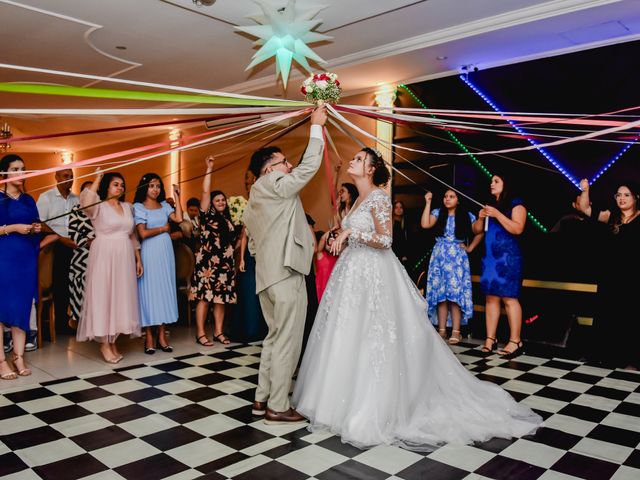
column 376, row 372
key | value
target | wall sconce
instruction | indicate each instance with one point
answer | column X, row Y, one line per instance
column 5, row 134
column 66, row 156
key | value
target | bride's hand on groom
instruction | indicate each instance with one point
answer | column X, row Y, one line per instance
column 340, row 242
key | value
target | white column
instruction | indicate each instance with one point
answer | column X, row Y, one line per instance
column 385, row 98
column 174, row 160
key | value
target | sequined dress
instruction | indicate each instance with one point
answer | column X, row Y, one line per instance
column 376, row 372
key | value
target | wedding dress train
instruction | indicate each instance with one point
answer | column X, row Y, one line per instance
column 376, row 372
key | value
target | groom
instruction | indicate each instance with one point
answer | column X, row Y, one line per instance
column 282, row 244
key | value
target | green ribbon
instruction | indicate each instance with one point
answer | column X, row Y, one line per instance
column 138, row 95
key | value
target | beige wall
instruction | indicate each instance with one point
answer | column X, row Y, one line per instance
column 232, row 164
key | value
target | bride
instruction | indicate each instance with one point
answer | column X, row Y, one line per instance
column 375, row 371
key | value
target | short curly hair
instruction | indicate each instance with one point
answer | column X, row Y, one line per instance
column 260, row 158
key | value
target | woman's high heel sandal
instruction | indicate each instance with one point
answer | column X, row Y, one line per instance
column 23, row 371
column 443, row 333
column 518, row 351
column 455, row 338
column 11, row 375
column 494, row 344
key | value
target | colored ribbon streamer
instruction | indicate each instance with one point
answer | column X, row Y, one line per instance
column 150, row 147
column 327, row 169
column 39, row 89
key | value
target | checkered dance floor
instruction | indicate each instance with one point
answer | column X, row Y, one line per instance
column 190, row 417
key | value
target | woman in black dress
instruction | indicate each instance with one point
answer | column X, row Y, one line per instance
column 616, row 326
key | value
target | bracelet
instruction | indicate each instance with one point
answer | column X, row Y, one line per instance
column 4, row 230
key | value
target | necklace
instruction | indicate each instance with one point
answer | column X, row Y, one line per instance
column 12, row 196
column 628, row 219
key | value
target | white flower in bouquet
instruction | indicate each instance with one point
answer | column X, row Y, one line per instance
column 237, row 205
column 322, row 87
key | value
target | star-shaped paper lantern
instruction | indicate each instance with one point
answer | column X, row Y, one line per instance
column 284, row 33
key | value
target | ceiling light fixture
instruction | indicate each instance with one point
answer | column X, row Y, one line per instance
column 283, row 33
column 204, row 3
column 441, row 57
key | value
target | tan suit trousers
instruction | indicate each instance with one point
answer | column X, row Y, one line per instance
column 284, row 306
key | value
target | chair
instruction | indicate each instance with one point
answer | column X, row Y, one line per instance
column 45, row 292
column 185, row 264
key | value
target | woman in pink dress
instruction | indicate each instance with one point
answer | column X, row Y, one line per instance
column 111, row 293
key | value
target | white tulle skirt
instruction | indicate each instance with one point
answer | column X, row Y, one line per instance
column 376, row 372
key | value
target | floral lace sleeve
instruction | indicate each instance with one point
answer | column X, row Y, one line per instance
column 379, row 206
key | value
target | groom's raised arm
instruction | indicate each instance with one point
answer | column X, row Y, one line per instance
column 289, row 185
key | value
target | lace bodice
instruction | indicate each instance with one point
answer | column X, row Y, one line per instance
column 370, row 222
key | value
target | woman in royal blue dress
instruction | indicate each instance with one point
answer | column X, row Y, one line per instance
column 449, row 276
column 157, row 287
column 501, row 276
column 19, row 247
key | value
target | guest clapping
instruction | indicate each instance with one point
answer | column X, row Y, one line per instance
column 111, row 292
column 20, row 245
column 157, row 287
column 214, row 275
column 501, row 276
column 449, row 277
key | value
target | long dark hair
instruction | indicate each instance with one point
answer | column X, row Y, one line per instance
column 463, row 222
column 616, row 214
column 6, row 161
column 505, row 199
column 353, row 193
column 103, row 189
column 143, row 188
column 221, row 217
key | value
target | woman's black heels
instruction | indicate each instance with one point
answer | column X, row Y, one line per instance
column 166, row 348
column 518, row 351
column 148, row 336
column 494, row 345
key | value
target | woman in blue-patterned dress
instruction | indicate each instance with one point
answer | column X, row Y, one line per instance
column 449, row 277
column 501, row 276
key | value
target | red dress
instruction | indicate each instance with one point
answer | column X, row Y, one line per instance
column 324, row 266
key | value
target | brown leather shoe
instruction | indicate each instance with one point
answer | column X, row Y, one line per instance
column 259, row 408
column 277, row 418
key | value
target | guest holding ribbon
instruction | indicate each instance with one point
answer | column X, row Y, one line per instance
column 616, row 326
column 214, row 278
column 19, row 247
column 110, row 306
column 501, row 277
column 449, row 277
column 157, row 287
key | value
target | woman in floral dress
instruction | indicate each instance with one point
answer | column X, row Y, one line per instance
column 214, row 275
column 449, row 278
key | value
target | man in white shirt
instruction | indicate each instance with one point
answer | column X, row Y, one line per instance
column 51, row 204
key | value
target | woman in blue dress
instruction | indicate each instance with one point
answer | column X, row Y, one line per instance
column 449, row 277
column 501, row 276
column 19, row 247
column 157, row 287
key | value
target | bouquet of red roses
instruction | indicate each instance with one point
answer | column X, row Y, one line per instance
column 322, row 87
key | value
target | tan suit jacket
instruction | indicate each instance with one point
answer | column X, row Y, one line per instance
column 280, row 238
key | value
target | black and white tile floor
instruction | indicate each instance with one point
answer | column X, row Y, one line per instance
column 189, row 417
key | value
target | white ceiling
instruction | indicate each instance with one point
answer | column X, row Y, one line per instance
column 374, row 41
